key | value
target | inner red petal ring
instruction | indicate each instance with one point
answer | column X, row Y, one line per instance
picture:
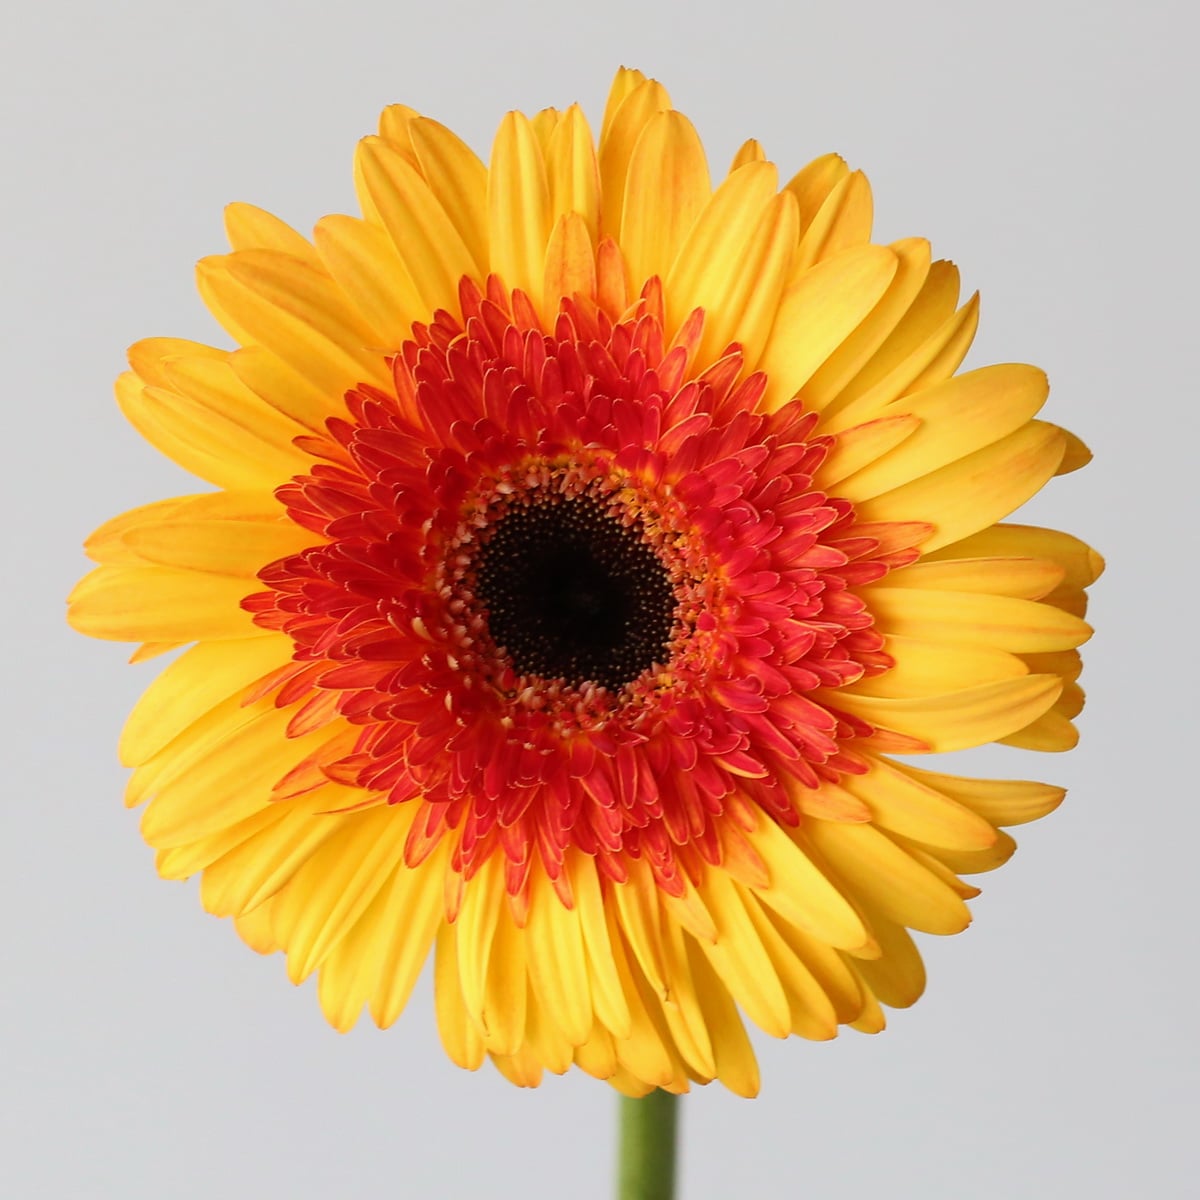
column 573, row 592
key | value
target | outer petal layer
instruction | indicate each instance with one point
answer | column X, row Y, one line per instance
column 729, row 401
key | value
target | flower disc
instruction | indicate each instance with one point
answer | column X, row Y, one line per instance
column 586, row 542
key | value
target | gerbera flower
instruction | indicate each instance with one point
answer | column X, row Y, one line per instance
column 587, row 542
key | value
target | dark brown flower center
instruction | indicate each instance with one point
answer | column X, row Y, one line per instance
column 573, row 592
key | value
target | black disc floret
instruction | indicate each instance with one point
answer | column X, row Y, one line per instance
column 572, row 591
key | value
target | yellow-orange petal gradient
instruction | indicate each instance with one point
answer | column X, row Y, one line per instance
column 593, row 540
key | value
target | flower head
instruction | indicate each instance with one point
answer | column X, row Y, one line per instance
column 586, row 542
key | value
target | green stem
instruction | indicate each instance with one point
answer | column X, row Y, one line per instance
column 646, row 1150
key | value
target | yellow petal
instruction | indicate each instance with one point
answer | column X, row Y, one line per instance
column 800, row 893
column 828, row 967
column 1070, row 703
column 361, row 258
column 624, row 81
column 842, row 221
column 507, row 989
column 749, row 151
column 262, row 862
column 228, row 533
column 649, row 1051
column 755, row 294
column 570, row 268
column 1081, row 564
column 817, row 313
column 396, row 125
column 521, row 1069
column 1022, row 578
column 149, row 356
column 416, row 905
column 899, row 802
column 1071, row 600
column 227, row 785
column 690, row 911
column 518, row 207
column 1000, row 801
column 666, row 188
column 608, row 998
column 135, row 604
column 231, row 717
column 681, row 1009
column 956, row 418
column 108, row 544
column 938, row 357
column 458, row 179
column 623, row 125
column 255, row 930
column 1067, row 664
column 285, row 389
column 461, row 1039
column 737, row 1068
column 739, row 959
column 976, row 491
column 197, row 681
column 251, row 228
column 897, row 976
column 862, row 445
column 544, row 1038
column 432, row 250
column 254, row 870
column 149, row 650
column 734, row 263
column 483, row 897
column 183, row 861
column 297, row 312
column 964, row 862
column 957, row 720
column 544, row 122
column 929, row 309
column 201, row 440
column 349, row 970
column 638, row 911
column 873, row 866
column 932, row 362
column 1076, row 456
column 811, row 1012
column 933, row 667
column 1052, row 732
column 557, row 963
column 859, row 349
column 812, row 185
column 871, row 1020
column 935, row 858
column 827, row 801
column 573, row 172
column 212, row 390
column 974, row 618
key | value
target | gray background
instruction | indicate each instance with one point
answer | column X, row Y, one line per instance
column 1048, row 149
